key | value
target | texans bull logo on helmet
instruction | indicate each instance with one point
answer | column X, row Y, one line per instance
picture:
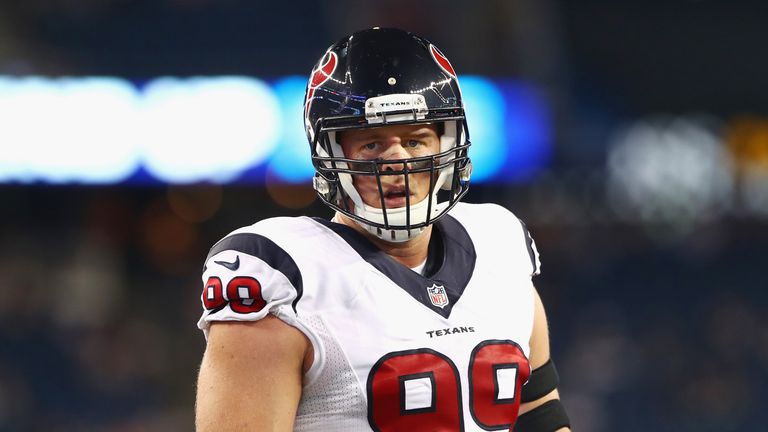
column 320, row 76
column 442, row 61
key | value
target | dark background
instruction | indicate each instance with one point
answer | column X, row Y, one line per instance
column 658, row 319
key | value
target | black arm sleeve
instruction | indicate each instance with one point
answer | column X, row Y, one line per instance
column 548, row 417
column 542, row 381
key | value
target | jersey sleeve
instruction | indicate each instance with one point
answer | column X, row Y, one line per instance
column 247, row 276
column 530, row 246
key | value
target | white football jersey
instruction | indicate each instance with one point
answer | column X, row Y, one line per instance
column 393, row 350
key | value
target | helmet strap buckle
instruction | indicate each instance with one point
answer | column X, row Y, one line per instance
column 323, row 187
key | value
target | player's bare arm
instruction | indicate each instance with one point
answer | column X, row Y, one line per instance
column 539, row 359
column 250, row 377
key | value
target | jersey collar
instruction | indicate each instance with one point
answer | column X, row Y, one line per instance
column 450, row 263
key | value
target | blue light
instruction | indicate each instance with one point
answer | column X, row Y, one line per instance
column 484, row 106
column 527, row 129
column 290, row 161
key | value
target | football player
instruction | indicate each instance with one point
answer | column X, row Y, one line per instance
column 409, row 311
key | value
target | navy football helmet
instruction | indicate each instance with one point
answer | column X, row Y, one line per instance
column 380, row 77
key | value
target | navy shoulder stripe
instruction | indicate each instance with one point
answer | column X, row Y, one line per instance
column 267, row 251
column 529, row 245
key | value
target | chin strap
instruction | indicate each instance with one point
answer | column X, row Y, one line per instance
column 396, row 236
column 393, row 236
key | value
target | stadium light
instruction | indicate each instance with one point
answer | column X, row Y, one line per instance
column 105, row 130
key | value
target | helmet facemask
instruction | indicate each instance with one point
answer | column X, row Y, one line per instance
column 448, row 171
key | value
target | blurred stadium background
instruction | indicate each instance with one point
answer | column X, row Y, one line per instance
column 631, row 136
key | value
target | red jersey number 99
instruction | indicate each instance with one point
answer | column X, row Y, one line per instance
column 243, row 294
column 421, row 389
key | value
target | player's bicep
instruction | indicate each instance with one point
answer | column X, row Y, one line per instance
column 250, row 377
column 539, row 341
column 541, row 408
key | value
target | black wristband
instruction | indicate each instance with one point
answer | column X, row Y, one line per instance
column 548, row 417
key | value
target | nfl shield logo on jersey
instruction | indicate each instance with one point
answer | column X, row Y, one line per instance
column 437, row 295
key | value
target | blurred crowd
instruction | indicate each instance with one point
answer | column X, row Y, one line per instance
column 97, row 317
column 100, row 297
